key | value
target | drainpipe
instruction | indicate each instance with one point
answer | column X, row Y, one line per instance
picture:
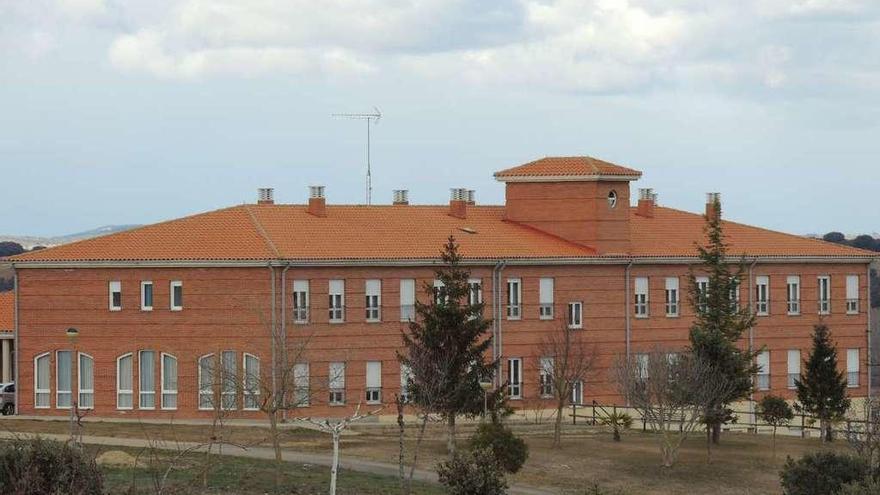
column 869, row 356
column 15, row 325
column 496, row 320
column 627, row 309
column 284, row 334
column 273, row 333
column 752, row 334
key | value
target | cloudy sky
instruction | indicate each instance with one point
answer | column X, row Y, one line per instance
column 132, row 112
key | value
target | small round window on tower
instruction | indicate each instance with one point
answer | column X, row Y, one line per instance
column 612, row 199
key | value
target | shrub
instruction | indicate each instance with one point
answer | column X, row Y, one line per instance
column 39, row 467
column 821, row 473
column 867, row 487
column 509, row 450
column 473, row 473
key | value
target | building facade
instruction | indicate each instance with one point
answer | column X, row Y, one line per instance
column 162, row 310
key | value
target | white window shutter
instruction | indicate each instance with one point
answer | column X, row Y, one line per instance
column 794, row 362
column 374, row 374
column 407, row 292
column 373, row 287
column 641, row 285
column 852, row 360
column 852, row 287
column 337, row 286
column 546, row 291
column 300, row 285
column 764, row 362
column 672, row 283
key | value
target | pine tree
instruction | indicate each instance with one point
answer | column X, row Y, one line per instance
column 720, row 324
column 446, row 345
column 821, row 389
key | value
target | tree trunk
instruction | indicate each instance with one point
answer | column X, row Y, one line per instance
column 774, row 442
column 276, row 446
column 401, row 429
column 709, row 435
column 827, row 432
column 450, row 440
column 616, row 433
column 716, row 433
column 557, row 426
column 412, row 470
column 335, row 466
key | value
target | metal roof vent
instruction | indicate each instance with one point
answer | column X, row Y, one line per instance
column 646, row 194
column 401, row 197
column 265, row 196
column 458, row 194
column 316, row 191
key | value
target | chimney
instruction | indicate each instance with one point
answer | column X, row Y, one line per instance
column 458, row 201
column 401, row 197
column 265, row 196
column 647, row 201
column 713, row 205
column 471, row 197
column 317, row 205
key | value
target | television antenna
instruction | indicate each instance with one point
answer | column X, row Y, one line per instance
column 369, row 118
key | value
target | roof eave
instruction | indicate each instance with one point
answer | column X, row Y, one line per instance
column 567, row 178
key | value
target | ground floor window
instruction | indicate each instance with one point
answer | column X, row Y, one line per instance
column 41, row 381
column 251, row 382
column 63, row 379
column 169, row 381
column 124, row 381
column 86, row 375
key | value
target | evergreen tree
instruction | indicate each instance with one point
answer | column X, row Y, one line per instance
column 821, row 389
column 446, row 345
column 720, row 323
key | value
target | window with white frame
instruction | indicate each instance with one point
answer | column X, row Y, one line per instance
column 86, row 381
column 641, row 294
column 514, row 298
column 763, row 377
column 852, row 294
column 207, row 370
column 407, row 299
column 794, row 294
column 373, row 300
column 475, row 291
column 794, row 367
column 63, row 379
column 251, row 383
column 169, row 382
column 702, row 293
column 762, row 295
column 42, row 389
column 176, row 295
column 575, row 314
column 125, row 381
column 672, row 297
column 373, row 389
column 439, row 292
column 824, row 301
column 546, row 376
column 642, row 365
column 337, row 384
column 514, row 376
column 301, row 394
column 577, row 392
column 147, row 380
column 300, row 301
column 115, row 295
column 405, row 378
column 545, row 298
column 337, row 301
column 146, row 295
column 734, row 293
column 852, row 368
column 228, row 385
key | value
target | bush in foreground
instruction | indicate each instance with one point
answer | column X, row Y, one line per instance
column 509, row 450
column 473, row 473
column 821, row 473
column 866, row 487
column 41, row 467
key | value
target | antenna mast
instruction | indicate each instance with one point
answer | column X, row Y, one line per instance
column 370, row 118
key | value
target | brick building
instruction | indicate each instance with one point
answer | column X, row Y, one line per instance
column 151, row 304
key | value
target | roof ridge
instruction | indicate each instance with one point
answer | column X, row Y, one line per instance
column 262, row 231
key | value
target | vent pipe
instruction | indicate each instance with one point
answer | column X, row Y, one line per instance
column 401, row 197
column 265, row 196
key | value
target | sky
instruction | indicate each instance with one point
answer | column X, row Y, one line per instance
column 140, row 111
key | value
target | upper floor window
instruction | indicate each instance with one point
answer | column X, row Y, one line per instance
column 734, row 293
column 545, row 298
column 176, row 295
column 576, row 315
column 337, row 301
column 115, row 295
column 641, row 294
column 373, row 302
column 672, row 296
column 852, row 294
column 373, row 389
column 146, row 296
column 794, row 295
column 407, row 299
column 824, row 301
column 439, row 292
column 514, row 298
column 702, row 294
column 300, row 301
column 762, row 295
column 612, row 199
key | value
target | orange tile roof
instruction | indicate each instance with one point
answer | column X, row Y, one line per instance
column 562, row 166
column 7, row 311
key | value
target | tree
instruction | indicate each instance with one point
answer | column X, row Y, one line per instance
column 821, row 389
column 720, row 324
column 565, row 361
column 473, row 473
column 445, row 347
column 774, row 411
column 864, row 242
column 821, row 473
column 835, row 237
column 9, row 248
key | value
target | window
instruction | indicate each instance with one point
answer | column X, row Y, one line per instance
column 405, row 378
column 251, row 382
column 124, row 382
column 734, row 293
column 300, row 301
column 612, row 199
column 794, row 367
column 407, row 299
column 702, row 293
column 852, row 294
column 207, row 367
column 514, row 298
column 576, row 315
column 228, row 383
column 41, row 381
column 337, row 384
column 146, row 296
column 147, row 379
column 577, row 392
column 545, row 298
column 852, row 368
column 301, row 394
column 86, row 378
column 514, row 370
column 642, row 365
column 546, row 377
column 374, row 382
column 115, row 296
column 475, row 291
column 63, row 379
column 337, row 301
column 672, row 296
column 763, row 376
column 176, row 295
column 439, row 292
column 824, row 295
column 373, row 303
column 762, row 295
column 794, row 295
column 641, row 293
column 169, row 381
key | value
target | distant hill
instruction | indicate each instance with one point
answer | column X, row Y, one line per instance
column 29, row 242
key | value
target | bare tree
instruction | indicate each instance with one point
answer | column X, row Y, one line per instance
column 565, row 361
column 863, row 435
column 672, row 392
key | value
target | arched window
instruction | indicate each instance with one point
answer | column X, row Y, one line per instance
column 86, row 377
column 612, row 199
column 169, row 381
column 124, row 382
column 251, row 382
column 63, row 379
column 41, row 381
column 207, row 367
